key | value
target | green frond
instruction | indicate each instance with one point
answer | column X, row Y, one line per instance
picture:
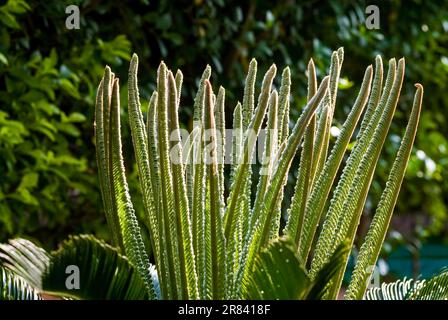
column 221, row 137
column 265, row 208
column 237, row 140
column 198, row 110
column 116, row 198
column 183, row 224
column 375, row 95
column 179, row 80
column 312, row 80
column 270, row 147
column 278, row 274
column 103, row 272
column 397, row 290
column 165, row 95
column 259, row 234
column 25, row 259
column 325, row 240
column 323, row 122
column 198, row 217
column 217, row 242
column 337, row 59
column 371, row 247
column 234, row 251
column 102, row 136
column 199, row 195
column 153, row 156
column 238, row 191
column 310, row 132
column 283, row 134
column 283, row 111
column 14, row 287
column 208, row 247
column 354, row 204
column 130, row 229
column 139, row 140
column 340, row 52
column 305, row 176
column 249, row 94
column 326, row 112
column 247, row 151
column 435, row 288
column 271, row 161
column 237, row 217
column 316, row 204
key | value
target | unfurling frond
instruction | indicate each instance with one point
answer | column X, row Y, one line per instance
column 14, row 287
column 25, row 259
column 117, row 200
column 278, row 274
column 435, row 288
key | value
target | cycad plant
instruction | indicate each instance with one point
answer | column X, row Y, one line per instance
column 212, row 237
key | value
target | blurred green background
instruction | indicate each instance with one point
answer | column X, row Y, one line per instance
column 49, row 74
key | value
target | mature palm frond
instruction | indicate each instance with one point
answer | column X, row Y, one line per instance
column 25, row 259
column 278, row 274
column 435, row 288
column 215, row 240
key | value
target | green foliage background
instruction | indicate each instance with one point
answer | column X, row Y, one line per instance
column 48, row 78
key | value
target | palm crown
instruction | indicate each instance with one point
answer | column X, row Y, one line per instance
column 215, row 240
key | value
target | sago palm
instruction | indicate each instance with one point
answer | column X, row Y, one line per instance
column 216, row 239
